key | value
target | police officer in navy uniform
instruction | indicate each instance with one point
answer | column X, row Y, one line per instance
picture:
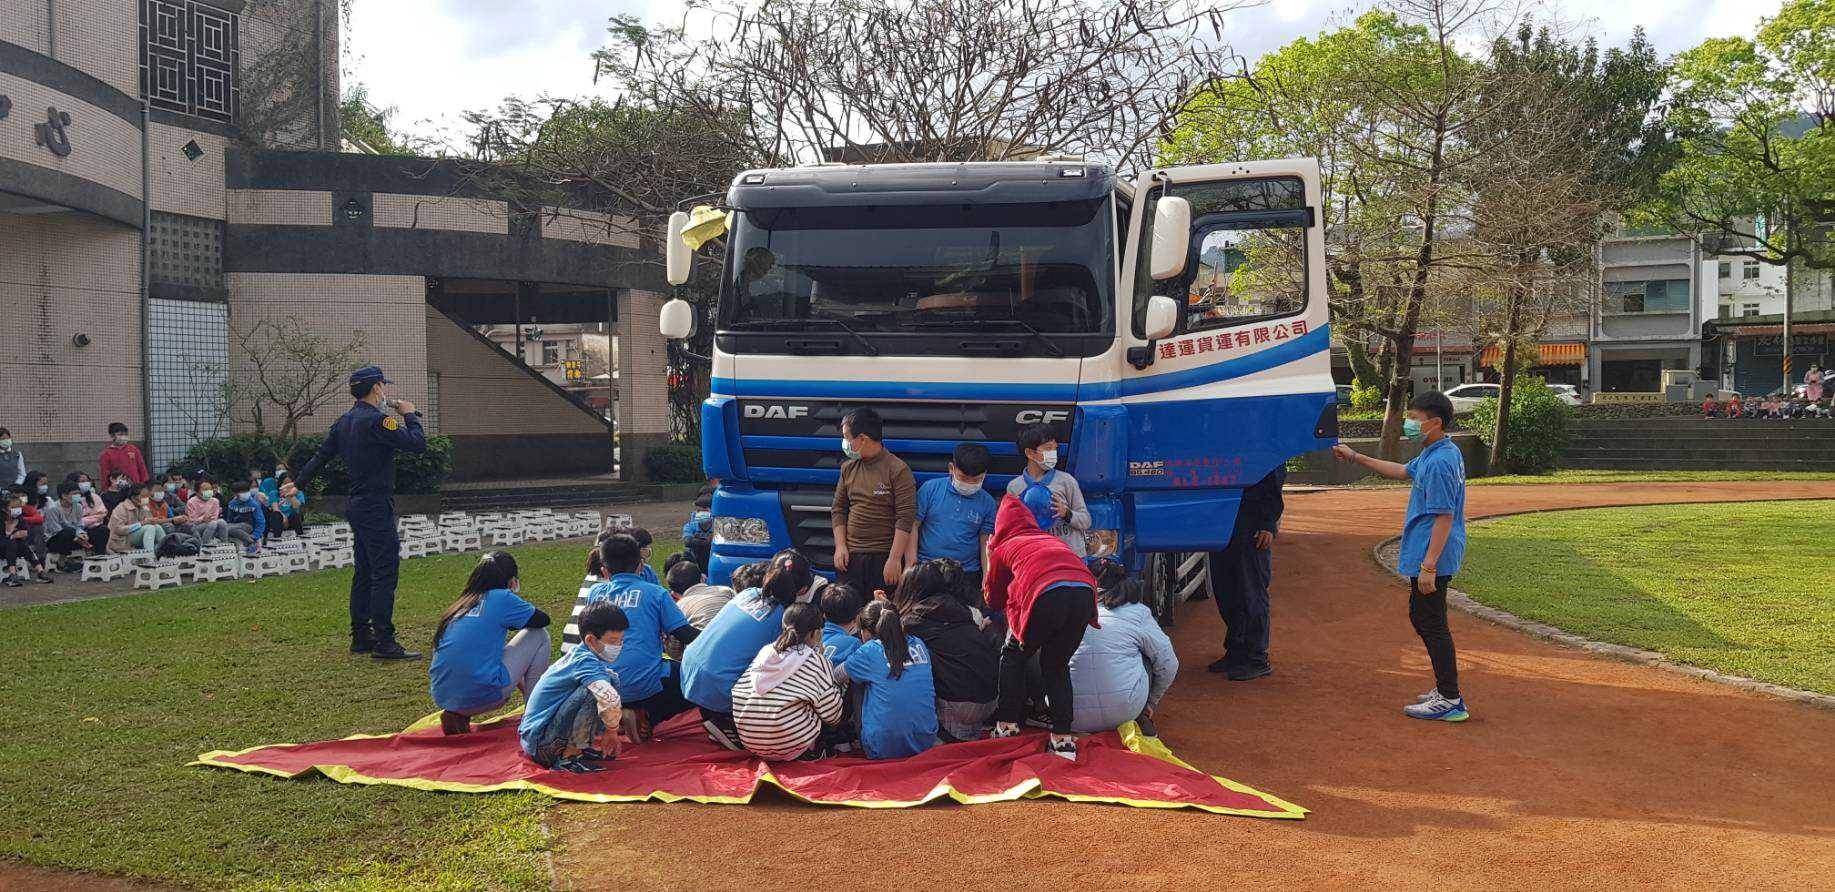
column 367, row 438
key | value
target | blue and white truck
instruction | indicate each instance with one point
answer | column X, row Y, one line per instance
column 1171, row 328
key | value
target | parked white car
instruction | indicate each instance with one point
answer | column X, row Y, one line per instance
column 1568, row 393
column 1466, row 397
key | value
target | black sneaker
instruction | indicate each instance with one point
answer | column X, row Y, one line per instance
column 578, row 765
column 720, row 736
column 390, row 649
column 593, row 754
column 361, row 643
column 1251, row 673
column 1219, row 665
column 1063, row 746
column 13, row 582
column 43, row 577
column 454, row 723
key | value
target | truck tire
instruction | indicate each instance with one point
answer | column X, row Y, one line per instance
column 1161, row 594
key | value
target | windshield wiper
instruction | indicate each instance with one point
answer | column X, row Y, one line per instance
column 1035, row 333
column 858, row 337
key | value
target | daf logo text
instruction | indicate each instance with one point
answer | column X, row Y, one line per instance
column 784, row 412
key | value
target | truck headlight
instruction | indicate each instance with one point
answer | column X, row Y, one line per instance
column 1101, row 543
column 741, row 531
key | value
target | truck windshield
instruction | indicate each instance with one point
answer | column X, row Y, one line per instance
column 992, row 269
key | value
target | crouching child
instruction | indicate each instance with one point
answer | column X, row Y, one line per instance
column 571, row 720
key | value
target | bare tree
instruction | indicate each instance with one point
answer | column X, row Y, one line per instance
column 288, row 373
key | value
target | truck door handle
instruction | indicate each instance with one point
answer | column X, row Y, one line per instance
column 802, row 347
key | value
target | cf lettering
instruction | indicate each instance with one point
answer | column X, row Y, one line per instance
column 1042, row 416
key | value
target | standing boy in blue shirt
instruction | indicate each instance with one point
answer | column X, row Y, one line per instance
column 955, row 517
column 646, row 682
column 1433, row 543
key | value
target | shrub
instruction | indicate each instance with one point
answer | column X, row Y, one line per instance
column 674, row 463
column 229, row 458
column 1538, row 427
column 1365, row 397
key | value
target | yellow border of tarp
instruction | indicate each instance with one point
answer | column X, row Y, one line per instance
column 1030, row 789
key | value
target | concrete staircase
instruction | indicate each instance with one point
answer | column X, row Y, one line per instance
column 1701, row 444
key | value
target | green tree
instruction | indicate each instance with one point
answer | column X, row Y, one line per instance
column 369, row 127
column 1383, row 104
column 1752, row 135
column 1571, row 125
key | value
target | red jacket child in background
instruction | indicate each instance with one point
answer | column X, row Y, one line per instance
column 122, row 457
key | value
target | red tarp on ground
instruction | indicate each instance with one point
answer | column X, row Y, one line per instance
column 680, row 763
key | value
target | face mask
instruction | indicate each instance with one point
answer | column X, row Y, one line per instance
column 166, row 487
column 83, row 487
column 76, row 498
column 6, row 444
column 1049, row 458
column 145, row 502
column 122, row 483
column 42, row 489
column 609, row 652
column 967, row 489
column 207, row 493
column 15, row 511
column 847, row 448
column 280, row 472
column 121, row 439
column 1412, row 430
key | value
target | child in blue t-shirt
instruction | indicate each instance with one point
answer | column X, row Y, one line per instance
column 955, row 517
column 713, row 662
column 571, row 719
column 1433, row 543
column 646, row 682
column 644, row 571
column 841, row 607
column 473, row 671
column 899, row 715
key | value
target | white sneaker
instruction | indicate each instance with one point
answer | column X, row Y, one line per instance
column 719, row 736
column 1438, row 709
column 1003, row 729
column 1430, row 695
column 1064, row 746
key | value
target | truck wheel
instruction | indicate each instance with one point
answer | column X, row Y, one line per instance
column 1162, row 590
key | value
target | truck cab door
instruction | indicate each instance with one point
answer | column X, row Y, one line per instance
column 1243, row 382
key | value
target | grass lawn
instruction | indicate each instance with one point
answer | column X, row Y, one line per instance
column 1648, row 477
column 1573, row 477
column 1740, row 588
column 103, row 702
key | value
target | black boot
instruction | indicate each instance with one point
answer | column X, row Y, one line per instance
column 360, row 640
column 390, row 649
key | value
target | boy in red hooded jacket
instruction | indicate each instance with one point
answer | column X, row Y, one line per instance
column 1050, row 598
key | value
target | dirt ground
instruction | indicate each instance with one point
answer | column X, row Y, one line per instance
column 1575, row 771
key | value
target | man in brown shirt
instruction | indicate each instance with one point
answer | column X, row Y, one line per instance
column 875, row 507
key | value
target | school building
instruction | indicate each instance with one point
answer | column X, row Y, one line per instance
column 170, row 182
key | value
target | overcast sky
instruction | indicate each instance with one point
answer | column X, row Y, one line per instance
column 434, row 59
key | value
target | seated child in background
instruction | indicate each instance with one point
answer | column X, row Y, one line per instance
column 131, row 525
column 246, row 514
column 22, row 541
column 1735, row 407
column 64, row 532
column 473, row 672
column 841, row 607
column 788, row 695
column 898, row 716
column 570, row 721
column 643, row 541
column 647, row 683
column 1710, row 408
column 965, row 657
column 1068, row 516
column 595, row 574
column 699, row 601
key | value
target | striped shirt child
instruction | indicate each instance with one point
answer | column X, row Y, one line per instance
column 782, row 701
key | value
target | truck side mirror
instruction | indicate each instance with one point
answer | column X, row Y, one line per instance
column 676, row 253
column 1171, row 237
column 677, row 319
column 1162, row 316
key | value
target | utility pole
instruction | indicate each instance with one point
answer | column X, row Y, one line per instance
column 1439, row 376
